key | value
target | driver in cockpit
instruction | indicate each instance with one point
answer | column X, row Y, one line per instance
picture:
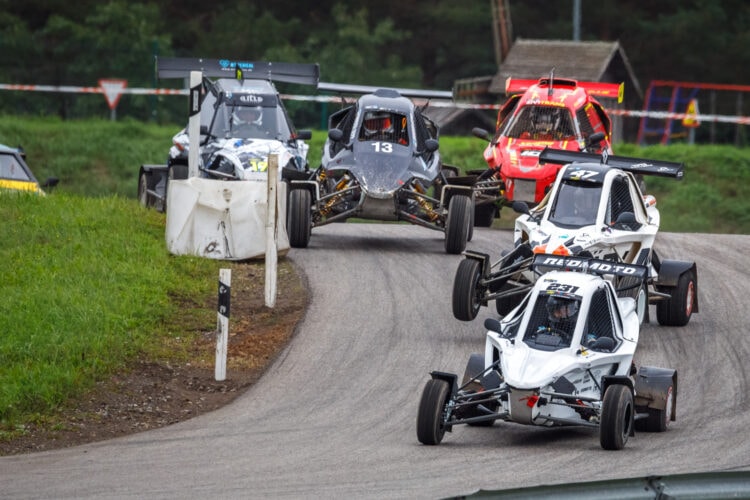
column 561, row 313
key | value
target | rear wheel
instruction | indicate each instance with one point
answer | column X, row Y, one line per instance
column 467, row 296
column 676, row 310
column 457, row 225
column 658, row 420
column 430, row 424
column 299, row 218
column 484, row 215
column 617, row 417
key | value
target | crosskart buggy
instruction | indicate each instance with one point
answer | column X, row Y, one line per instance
column 242, row 122
column 15, row 174
column 595, row 208
column 563, row 357
column 552, row 112
column 381, row 162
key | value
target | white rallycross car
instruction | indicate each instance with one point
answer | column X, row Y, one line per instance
column 562, row 357
column 243, row 121
column 594, row 209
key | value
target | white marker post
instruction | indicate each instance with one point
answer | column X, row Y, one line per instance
column 273, row 185
column 194, row 122
column 222, row 324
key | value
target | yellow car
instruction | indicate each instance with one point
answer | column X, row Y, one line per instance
column 16, row 175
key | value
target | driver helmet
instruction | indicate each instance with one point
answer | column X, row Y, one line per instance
column 376, row 121
column 561, row 309
column 544, row 121
column 244, row 115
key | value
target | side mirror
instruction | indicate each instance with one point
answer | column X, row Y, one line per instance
column 335, row 134
column 625, row 221
column 492, row 324
column 521, row 207
column 603, row 344
column 594, row 139
column 304, row 135
column 481, row 133
column 51, row 182
column 431, row 145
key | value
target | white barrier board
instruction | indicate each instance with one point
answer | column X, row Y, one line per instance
column 223, row 220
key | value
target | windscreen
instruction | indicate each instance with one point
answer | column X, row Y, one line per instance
column 10, row 168
column 576, row 204
column 542, row 123
column 552, row 322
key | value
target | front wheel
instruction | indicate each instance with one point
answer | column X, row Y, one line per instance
column 457, row 225
column 467, row 295
column 676, row 310
column 299, row 218
column 430, row 419
column 617, row 417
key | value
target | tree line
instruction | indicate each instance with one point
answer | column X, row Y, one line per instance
column 407, row 43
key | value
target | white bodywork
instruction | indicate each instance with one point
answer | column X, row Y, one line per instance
column 597, row 234
column 531, row 374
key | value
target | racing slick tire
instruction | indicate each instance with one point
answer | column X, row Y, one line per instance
column 457, row 225
column 484, row 215
column 299, row 218
column 430, row 425
column 467, row 295
column 676, row 310
column 143, row 197
column 657, row 420
column 617, row 417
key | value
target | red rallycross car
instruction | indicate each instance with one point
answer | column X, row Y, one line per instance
column 552, row 112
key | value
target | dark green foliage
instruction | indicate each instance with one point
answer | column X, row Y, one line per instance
column 411, row 43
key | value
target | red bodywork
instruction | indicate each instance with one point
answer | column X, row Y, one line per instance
column 572, row 114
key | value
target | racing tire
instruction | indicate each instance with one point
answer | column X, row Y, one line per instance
column 457, row 225
column 484, row 215
column 299, row 218
column 143, row 190
column 467, row 295
column 658, row 420
column 617, row 417
column 430, row 424
column 504, row 305
column 676, row 310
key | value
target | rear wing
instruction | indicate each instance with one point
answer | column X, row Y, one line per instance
column 641, row 166
column 367, row 89
column 543, row 263
column 180, row 67
column 600, row 89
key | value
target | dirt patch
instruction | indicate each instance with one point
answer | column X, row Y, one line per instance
column 152, row 394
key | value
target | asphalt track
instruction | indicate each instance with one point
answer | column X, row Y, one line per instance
column 334, row 417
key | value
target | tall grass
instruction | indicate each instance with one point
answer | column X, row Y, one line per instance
column 87, row 284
